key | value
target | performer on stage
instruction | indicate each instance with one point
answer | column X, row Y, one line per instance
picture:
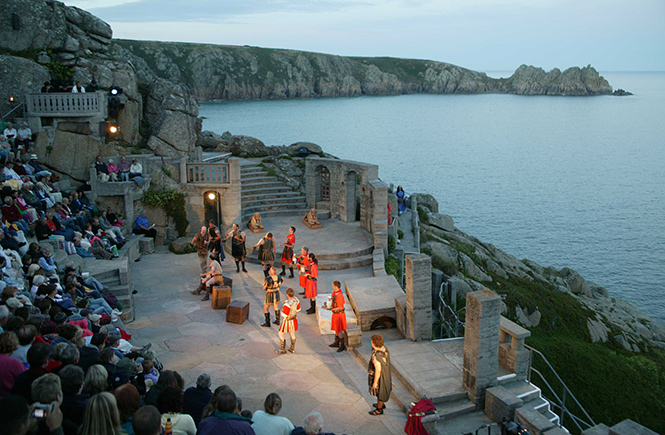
column 303, row 267
column 271, row 286
column 215, row 244
column 289, row 321
column 338, row 323
column 201, row 240
column 210, row 278
column 311, row 285
column 266, row 253
column 379, row 374
column 238, row 249
column 287, row 254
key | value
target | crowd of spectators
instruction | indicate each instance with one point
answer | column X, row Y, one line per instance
column 123, row 171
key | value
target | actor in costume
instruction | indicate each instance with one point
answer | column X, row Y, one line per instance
column 379, row 375
column 311, row 287
column 338, row 323
column 210, row 278
column 215, row 244
column 238, row 249
column 287, row 254
column 303, row 267
column 289, row 321
column 201, row 240
column 266, row 247
column 271, row 286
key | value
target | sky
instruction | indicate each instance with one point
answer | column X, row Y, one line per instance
column 485, row 35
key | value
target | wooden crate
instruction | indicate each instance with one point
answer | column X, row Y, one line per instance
column 221, row 297
column 237, row 312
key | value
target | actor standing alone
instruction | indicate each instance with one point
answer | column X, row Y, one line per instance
column 266, row 254
column 287, row 254
column 289, row 321
column 303, row 267
column 311, row 288
column 201, row 240
column 271, row 286
column 338, row 323
column 379, row 375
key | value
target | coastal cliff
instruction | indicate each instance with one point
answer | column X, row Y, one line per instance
column 222, row 72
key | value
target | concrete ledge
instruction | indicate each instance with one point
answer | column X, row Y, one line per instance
column 532, row 420
column 556, row 430
column 629, row 427
column 146, row 245
column 501, row 403
column 599, row 429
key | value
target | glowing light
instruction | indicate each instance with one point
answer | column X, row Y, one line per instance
column 211, row 196
column 113, row 129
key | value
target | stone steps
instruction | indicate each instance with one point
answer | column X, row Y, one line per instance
column 299, row 211
column 260, row 184
column 249, row 191
column 531, row 395
column 257, row 195
column 346, row 263
column 276, row 205
column 269, row 200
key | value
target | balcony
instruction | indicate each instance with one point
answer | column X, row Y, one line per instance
column 66, row 105
column 208, row 173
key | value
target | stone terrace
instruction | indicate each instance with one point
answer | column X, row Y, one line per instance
column 190, row 337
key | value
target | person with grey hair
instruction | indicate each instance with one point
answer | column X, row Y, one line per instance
column 196, row 398
column 311, row 425
column 4, row 315
column 73, row 402
column 69, row 355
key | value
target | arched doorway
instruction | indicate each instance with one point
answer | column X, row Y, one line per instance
column 352, row 207
column 322, row 184
column 212, row 207
column 383, row 322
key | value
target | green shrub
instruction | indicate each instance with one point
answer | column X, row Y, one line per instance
column 393, row 267
column 392, row 244
column 173, row 204
column 422, row 215
column 400, row 234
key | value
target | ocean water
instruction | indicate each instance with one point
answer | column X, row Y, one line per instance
column 564, row 181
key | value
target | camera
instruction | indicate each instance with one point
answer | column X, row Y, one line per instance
column 40, row 410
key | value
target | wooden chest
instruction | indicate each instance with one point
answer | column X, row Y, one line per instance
column 221, row 297
column 237, row 312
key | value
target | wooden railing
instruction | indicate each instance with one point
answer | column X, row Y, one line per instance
column 208, row 173
column 65, row 104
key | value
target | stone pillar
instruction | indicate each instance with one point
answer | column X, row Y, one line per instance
column 310, row 183
column 418, row 297
column 129, row 208
column 481, row 344
column 231, row 202
column 183, row 170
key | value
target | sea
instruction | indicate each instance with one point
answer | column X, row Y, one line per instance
column 565, row 181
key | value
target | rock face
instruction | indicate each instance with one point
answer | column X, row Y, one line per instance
column 215, row 72
column 18, row 76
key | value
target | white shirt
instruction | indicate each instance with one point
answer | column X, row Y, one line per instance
column 24, row 133
column 76, row 91
column 9, row 132
column 136, row 169
column 268, row 424
column 11, row 173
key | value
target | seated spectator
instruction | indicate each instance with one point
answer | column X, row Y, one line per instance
column 31, row 199
column 150, row 373
column 268, row 422
column 25, row 207
column 101, row 416
column 112, row 170
column 102, row 170
column 105, row 225
column 224, row 419
column 10, row 133
column 78, row 88
column 169, row 404
column 9, row 367
column 108, row 359
column 73, row 401
column 135, row 169
column 37, row 167
column 196, row 398
column 147, row 421
column 12, row 214
column 4, row 315
column 38, row 361
column 24, row 136
column 123, row 169
column 129, row 401
column 66, row 333
column 47, row 88
column 93, row 86
column 47, row 390
column 15, row 415
column 168, row 378
column 143, row 226
column 312, row 425
column 10, row 173
column 26, row 336
column 42, row 193
column 96, row 380
column 6, row 153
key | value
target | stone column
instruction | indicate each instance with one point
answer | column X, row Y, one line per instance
column 481, row 344
column 183, row 170
column 418, row 297
column 310, row 182
column 231, row 201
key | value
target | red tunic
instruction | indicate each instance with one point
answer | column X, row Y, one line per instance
column 311, row 287
column 338, row 323
column 287, row 254
column 303, row 260
column 289, row 325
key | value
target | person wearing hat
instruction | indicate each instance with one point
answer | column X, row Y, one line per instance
column 39, row 171
column 24, row 137
column 13, row 304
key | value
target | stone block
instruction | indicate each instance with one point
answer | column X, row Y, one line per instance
column 629, row 427
column 501, row 403
column 353, row 335
column 146, row 245
column 532, row 420
column 599, row 429
column 556, row 430
column 400, row 314
column 373, row 298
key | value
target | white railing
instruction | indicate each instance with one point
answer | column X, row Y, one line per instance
column 65, row 104
column 208, row 173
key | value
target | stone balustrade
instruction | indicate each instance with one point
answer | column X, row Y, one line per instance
column 207, row 173
column 512, row 355
column 66, row 104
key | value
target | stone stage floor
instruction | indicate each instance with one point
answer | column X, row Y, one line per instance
column 335, row 237
column 191, row 338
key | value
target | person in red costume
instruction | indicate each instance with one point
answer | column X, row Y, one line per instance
column 311, row 287
column 287, row 254
column 303, row 266
column 338, row 323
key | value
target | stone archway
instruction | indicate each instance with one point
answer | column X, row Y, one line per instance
column 383, row 322
column 322, row 183
column 212, row 207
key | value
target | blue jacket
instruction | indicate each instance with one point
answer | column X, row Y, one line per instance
column 225, row 423
column 194, row 400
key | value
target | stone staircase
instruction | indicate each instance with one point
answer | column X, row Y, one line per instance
column 531, row 396
column 267, row 195
column 119, row 283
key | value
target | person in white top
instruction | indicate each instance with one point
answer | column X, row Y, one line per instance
column 135, row 169
column 24, row 135
column 268, row 422
column 10, row 133
column 10, row 172
column 78, row 88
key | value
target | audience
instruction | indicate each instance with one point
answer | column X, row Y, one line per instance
column 129, row 402
column 169, row 404
column 224, row 419
column 9, row 367
column 268, row 422
column 196, row 398
column 101, row 416
column 147, row 421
